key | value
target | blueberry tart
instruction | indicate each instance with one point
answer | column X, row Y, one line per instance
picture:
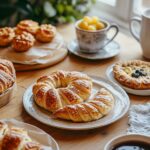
column 134, row 74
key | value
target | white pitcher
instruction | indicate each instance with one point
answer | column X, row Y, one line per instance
column 144, row 36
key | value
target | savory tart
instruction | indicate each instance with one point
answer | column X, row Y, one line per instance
column 6, row 36
column 46, row 33
column 23, row 42
column 134, row 74
column 27, row 26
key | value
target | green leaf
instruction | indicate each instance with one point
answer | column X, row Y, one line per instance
column 60, row 8
column 49, row 9
column 70, row 18
column 69, row 9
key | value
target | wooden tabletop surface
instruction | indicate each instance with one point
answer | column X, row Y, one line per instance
column 76, row 140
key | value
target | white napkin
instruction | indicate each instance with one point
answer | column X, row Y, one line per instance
column 139, row 119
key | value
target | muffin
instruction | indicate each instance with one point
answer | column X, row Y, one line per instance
column 28, row 26
column 45, row 33
column 23, row 42
column 6, row 36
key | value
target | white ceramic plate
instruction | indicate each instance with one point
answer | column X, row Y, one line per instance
column 111, row 50
column 110, row 76
column 35, row 133
column 120, row 109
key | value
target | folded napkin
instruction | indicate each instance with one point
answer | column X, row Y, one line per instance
column 139, row 119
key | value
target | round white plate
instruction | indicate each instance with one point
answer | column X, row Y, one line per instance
column 110, row 76
column 111, row 50
column 121, row 107
column 35, row 133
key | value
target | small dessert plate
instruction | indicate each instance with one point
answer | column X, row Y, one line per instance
column 111, row 50
column 110, row 76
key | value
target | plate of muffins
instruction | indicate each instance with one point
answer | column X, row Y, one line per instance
column 32, row 45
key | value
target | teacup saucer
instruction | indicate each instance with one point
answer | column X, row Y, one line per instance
column 111, row 50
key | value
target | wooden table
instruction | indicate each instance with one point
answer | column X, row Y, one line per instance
column 76, row 140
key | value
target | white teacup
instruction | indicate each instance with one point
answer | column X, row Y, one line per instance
column 94, row 41
column 144, row 36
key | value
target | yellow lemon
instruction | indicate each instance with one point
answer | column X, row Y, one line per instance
column 94, row 20
column 91, row 28
column 87, row 19
column 83, row 25
column 100, row 26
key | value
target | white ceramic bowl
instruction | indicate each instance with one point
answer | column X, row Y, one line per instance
column 7, row 95
column 125, row 138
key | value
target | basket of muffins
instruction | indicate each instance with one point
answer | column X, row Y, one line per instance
column 31, row 44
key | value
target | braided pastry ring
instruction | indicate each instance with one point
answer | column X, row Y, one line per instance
column 94, row 109
column 61, row 88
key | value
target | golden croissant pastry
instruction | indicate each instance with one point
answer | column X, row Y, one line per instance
column 7, row 75
column 94, row 109
column 6, row 36
column 29, row 26
column 23, row 42
column 45, row 33
column 134, row 74
column 61, row 88
column 13, row 138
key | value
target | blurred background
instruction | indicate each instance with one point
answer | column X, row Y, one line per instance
column 65, row 11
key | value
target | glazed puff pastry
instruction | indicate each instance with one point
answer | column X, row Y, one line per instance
column 13, row 138
column 23, row 42
column 29, row 26
column 61, row 88
column 45, row 33
column 96, row 108
column 6, row 36
column 134, row 74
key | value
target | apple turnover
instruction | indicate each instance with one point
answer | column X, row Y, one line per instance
column 28, row 26
column 134, row 74
column 23, row 42
column 45, row 33
column 6, row 36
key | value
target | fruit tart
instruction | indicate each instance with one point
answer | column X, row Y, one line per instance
column 134, row 74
